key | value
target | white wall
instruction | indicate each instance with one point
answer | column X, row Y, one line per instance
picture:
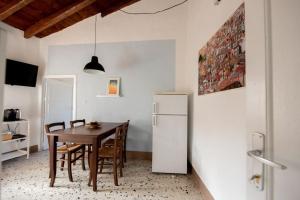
column 217, row 121
column 25, row 98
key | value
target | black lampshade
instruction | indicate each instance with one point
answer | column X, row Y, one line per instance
column 94, row 66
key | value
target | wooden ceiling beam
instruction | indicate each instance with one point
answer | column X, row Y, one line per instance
column 56, row 17
column 119, row 5
column 13, row 7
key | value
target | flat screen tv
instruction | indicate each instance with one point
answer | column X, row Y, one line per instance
column 19, row 73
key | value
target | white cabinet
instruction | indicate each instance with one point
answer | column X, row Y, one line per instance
column 16, row 147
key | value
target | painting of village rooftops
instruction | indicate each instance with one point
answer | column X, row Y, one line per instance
column 222, row 60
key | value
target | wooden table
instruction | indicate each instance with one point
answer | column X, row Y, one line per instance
column 81, row 135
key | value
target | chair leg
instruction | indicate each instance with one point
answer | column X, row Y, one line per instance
column 101, row 165
column 75, row 156
column 90, row 180
column 115, row 172
column 62, row 164
column 70, row 167
column 124, row 155
column 90, row 174
column 83, row 158
column 121, row 165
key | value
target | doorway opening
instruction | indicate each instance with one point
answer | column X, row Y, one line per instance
column 59, row 101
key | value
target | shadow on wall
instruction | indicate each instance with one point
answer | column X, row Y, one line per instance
column 128, row 59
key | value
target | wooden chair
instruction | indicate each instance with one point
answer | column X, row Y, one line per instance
column 113, row 155
column 77, row 123
column 110, row 141
column 67, row 149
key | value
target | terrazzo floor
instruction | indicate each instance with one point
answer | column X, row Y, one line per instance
column 23, row 179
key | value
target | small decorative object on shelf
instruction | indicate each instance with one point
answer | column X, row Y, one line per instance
column 15, row 139
column 6, row 136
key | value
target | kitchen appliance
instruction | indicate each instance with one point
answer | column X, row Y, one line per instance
column 169, row 122
column 12, row 115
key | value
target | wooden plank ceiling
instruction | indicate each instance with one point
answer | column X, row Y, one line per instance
column 41, row 18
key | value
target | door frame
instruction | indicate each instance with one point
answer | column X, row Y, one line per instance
column 3, row 43
column 44, row 106
column 268, row 100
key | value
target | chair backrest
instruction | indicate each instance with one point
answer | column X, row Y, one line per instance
column 55, row 126
column 126, row 126
column 76, row 123
column 119, row 137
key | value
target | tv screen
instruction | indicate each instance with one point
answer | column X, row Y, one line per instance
column 19, row 73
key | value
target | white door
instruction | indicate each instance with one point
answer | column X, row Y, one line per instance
column 273, row 99
column 169, row 153
column 59, row 102
column 170, row 104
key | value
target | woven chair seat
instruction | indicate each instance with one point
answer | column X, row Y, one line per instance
column 107, row 152
column 68, row 147
column 110, row 142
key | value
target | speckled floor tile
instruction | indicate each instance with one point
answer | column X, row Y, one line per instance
column 24, row 179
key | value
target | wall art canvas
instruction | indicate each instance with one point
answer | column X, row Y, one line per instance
column 113, row 87
column 222, row 59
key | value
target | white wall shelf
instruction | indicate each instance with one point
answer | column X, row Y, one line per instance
column 16, row 144
column 107, row 96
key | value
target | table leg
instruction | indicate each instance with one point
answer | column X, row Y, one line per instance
column 53, row 155
column 94, row 164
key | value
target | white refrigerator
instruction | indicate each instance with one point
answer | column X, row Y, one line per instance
column 169, row 122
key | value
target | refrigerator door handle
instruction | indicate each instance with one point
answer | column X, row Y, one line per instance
column 153, row 120
column 155, row 107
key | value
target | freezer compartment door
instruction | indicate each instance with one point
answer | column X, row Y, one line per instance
column 169, row 144
column 170, row 104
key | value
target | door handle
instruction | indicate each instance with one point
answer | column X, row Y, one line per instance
column 153, row 120
column 154, row 107
column 258, row 155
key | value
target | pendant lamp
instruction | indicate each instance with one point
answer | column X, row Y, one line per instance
column 94, row 66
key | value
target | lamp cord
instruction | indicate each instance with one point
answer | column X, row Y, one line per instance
column 95, row 46
column 155, row 12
